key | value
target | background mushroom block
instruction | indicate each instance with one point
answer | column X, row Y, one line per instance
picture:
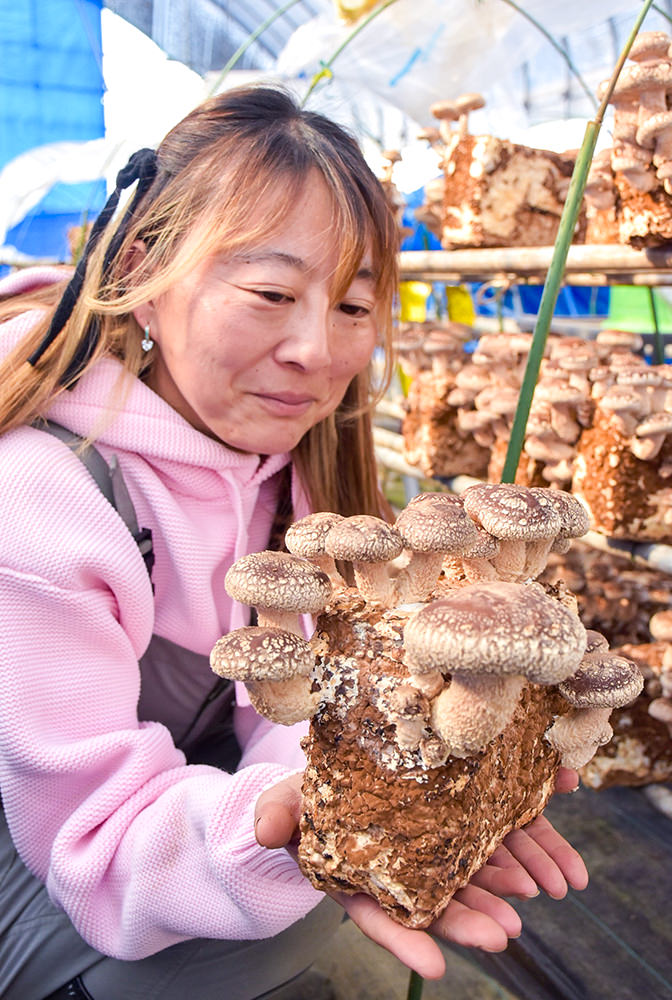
column 442, row 701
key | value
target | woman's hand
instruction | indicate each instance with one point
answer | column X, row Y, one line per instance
column 531, row 859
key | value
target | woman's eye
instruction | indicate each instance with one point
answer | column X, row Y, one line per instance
column 270, row 296
column 350, row 309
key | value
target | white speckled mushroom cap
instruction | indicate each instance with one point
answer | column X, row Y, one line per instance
column 261, row 654
column 500, row 628
column 363, row 538
column 278, row 580
column 603, row 681
column 574, row 518
column 306, row 536
column 436, row 522
column 510, row 511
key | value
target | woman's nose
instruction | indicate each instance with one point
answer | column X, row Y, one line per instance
column 307, row 341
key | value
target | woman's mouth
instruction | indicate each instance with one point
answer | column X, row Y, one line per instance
column 286, row 403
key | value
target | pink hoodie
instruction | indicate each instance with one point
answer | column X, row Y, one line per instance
column 139, row 849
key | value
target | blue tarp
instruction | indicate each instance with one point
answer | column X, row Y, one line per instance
column 51, row 89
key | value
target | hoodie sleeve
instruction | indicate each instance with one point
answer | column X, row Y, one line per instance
column 141, row 850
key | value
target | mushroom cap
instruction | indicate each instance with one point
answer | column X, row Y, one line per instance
column 436, row 522
column 639, row 375
column 648, row 131
column 655, row 423
column 305, row 537
column 254, row 653
column 637, row 78
column 558, row 391
column 510, row 511
column 622, row 399
column 444, row 110
column 499, row 628
column 365, row 539
column 278, row 580
column 603, row 681
column 574, row 518
column 595, row 641
column 619, row 338
column 469, row 102
column 649, row 45
column 660, row 625
column 485, row 546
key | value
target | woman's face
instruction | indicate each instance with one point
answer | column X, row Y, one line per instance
column 249, row 349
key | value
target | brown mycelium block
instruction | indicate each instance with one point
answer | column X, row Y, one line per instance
column 498, row 193
column 644, row 218
column 627, row 497
column 379, row 819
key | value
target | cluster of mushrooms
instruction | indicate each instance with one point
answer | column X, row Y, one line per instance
column 492, row 192
column 613, row 594
column 460, row 410
column 627, row 185
column 458, row 576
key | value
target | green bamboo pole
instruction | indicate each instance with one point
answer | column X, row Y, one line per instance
column 555, row 274
column 325, row 72
column 658, row 348
column 414, row 986
column 252, row 37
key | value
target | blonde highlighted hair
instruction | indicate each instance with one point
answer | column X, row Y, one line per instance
column 225, row 178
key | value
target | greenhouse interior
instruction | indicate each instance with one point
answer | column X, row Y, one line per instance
column 487, row 541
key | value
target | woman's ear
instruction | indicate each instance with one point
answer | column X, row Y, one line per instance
column 144, row 313
column 135, row 255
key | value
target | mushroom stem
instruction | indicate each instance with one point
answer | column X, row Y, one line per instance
column 536, row 557
column 474, row 709
column 577, row 735
column 478, row 568
column 509, row 562
column 375, row 583
column 285, row 702
column 420, row 577
column 289, row 621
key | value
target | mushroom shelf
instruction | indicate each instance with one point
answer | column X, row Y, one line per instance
column 444, row 684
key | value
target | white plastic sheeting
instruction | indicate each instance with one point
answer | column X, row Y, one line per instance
column 419, row 51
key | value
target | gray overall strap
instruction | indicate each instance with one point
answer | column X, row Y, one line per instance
column 110, row 482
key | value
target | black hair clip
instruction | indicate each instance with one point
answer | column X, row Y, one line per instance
column 141, row 167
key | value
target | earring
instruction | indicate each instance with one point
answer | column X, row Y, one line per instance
column 147, row 342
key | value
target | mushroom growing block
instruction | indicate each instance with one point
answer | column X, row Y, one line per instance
column 427, row 740
column 388, row 809
column 623, row 465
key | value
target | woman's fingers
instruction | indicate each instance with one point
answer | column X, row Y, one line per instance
column 414, row 948
column 476, row 919
column 568, row 860
column 567, row 780
column 508, row 879
column 277, row 813
column 479, row 900
column 548, row 858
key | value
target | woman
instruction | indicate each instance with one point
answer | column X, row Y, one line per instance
column 214, row 342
